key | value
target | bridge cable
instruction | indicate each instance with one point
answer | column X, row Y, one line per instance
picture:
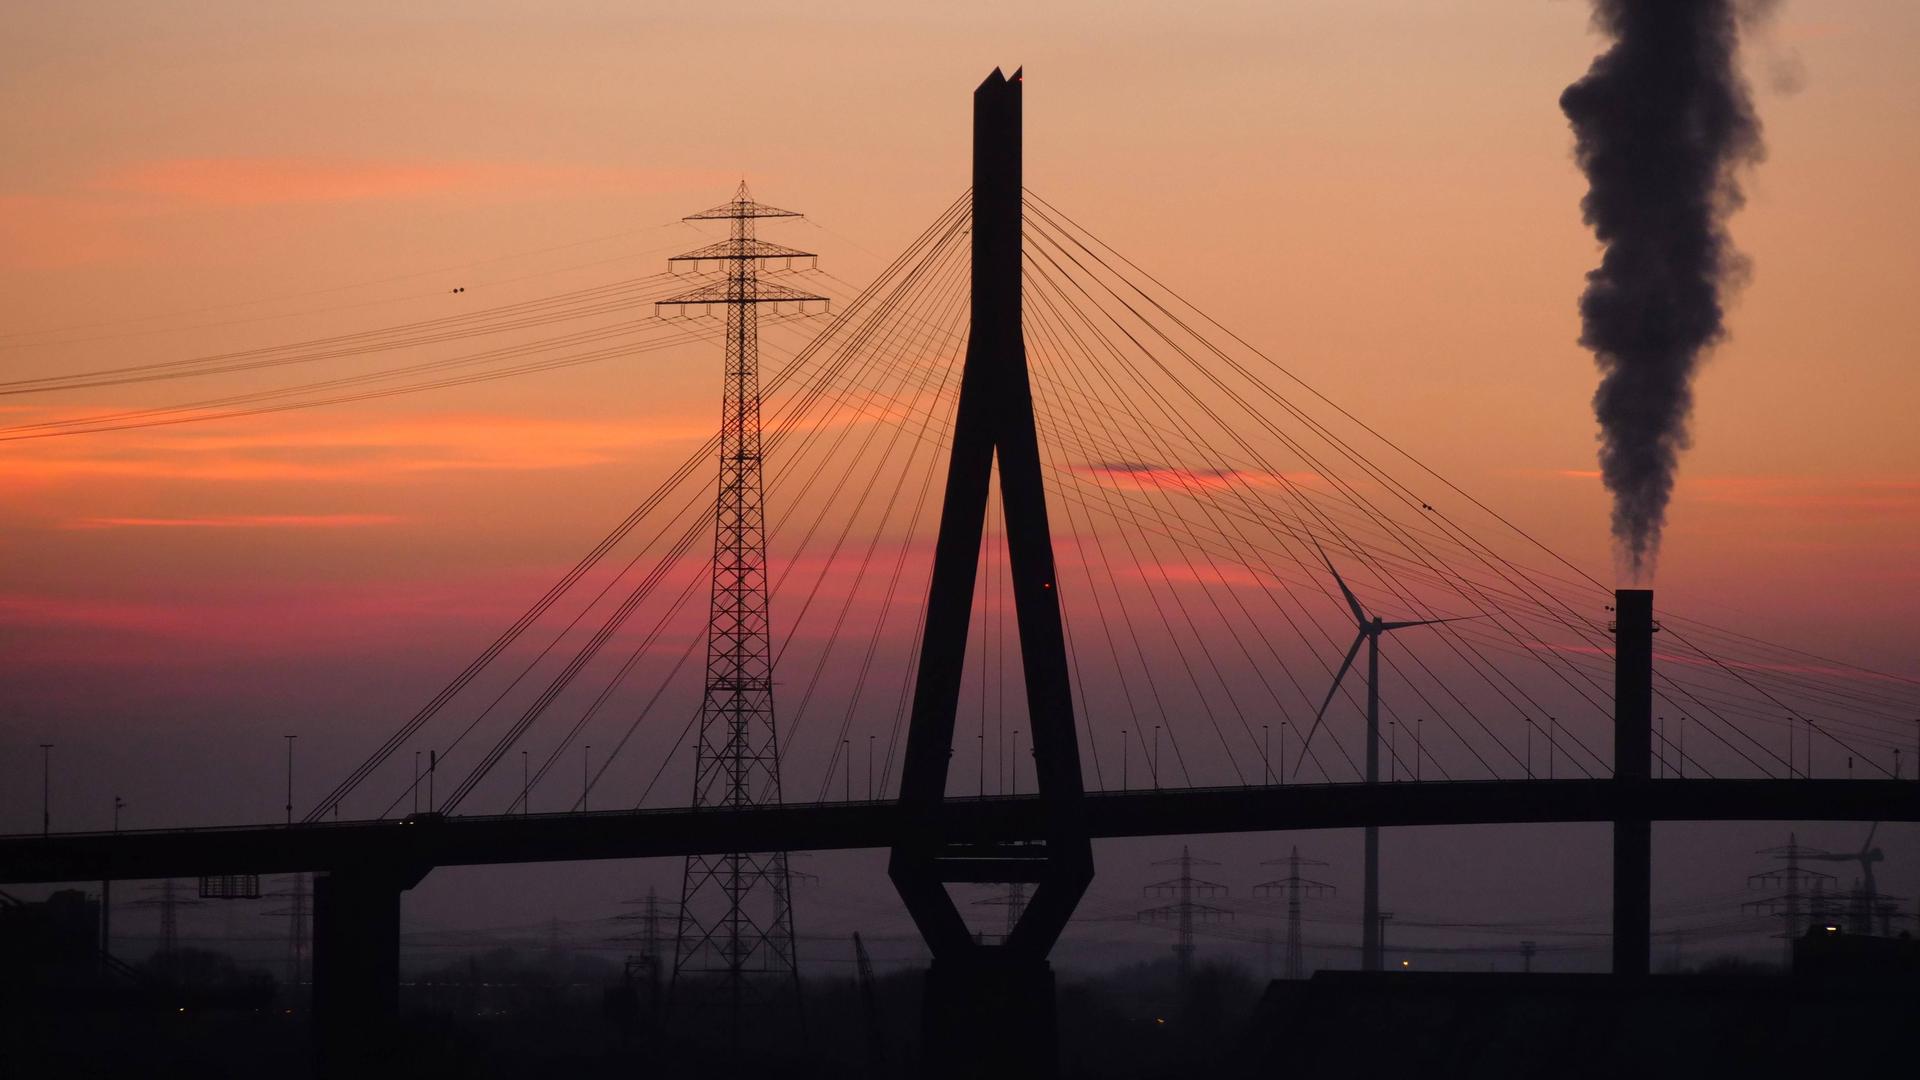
column 698, row 458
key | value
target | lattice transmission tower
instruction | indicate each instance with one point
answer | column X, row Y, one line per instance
column 1186, row 910
column 645, row 964
column 1803, row 895
column 1293, row 888
column 296, row 894
column 735, row 943
column 169, row 902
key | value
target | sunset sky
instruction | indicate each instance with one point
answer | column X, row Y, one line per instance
column 1378, row 193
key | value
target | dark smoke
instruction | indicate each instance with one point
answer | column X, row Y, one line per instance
column 1662, row 122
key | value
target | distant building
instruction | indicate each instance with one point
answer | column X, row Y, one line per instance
column 52, row 943
column 1828, row 950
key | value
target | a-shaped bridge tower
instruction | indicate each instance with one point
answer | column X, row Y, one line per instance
column 989, row 1006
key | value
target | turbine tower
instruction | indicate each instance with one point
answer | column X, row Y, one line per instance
column 736, row 913
column 1372, row 628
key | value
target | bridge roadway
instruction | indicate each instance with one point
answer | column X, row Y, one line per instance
column 410, row 847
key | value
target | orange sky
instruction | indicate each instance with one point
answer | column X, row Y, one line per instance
column 1378, row 192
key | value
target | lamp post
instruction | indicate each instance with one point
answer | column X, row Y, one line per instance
column 526, row 785
column 106, row 893
column 586, row 752
column 870, row 768
column 1266, row 758
column 1156, row 757
column 46, row 788
column 289, row 739
column 1015, row 763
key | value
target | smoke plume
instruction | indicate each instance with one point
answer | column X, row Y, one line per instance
column 1662, row 123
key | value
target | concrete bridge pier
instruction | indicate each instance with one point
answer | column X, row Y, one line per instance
column 356, row 964
column 989, row 1011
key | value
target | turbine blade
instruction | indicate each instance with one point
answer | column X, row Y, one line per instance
column 1359, row 613
column 1331, row 690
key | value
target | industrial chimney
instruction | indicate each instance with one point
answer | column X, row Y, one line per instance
column 1633, row 630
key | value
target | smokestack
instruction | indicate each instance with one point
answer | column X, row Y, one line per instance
column 1633, row 630
column 1662, row 122
column 1632, row 684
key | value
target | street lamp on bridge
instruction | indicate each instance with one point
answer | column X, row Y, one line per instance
column 289, row 739
column 46, row 788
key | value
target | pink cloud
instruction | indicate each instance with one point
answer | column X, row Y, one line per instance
column 237, row 521
column 1141, row 475
column 53, row 232
column 1692, row 660
column 264, row 619
column 1196, row 573
column 1874, row 496
column 387, row 451
column 264, row 181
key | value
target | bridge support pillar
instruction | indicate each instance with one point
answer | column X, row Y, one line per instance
column 1632, row 769
column 989, row 1012
column 356, row 964
column 989, row 1008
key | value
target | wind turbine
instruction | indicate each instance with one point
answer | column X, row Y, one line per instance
column 1867, row 900
column 1372, row 628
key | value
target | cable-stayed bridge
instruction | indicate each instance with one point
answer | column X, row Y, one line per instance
column 418, row 843
column 1178, row 531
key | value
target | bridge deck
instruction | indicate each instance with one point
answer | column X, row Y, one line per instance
column 413, row 846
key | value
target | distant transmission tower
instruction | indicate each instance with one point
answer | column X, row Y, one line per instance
column 168, row 901
column 1803, row 891
column 1185, row 910
column 1014, row 900
column 736, row 913
column 1294, row 889
column 296, row 915
column 646, row 963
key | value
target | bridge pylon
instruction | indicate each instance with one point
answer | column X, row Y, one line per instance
column 976, row 987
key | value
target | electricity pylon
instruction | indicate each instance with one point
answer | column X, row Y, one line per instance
column 1804, row 889
column 1014, row 900
column 1185, row 910
column 736, row 914
column 1372, row 628
column 1295, row 889
column 296, row 915
column 167, row 958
